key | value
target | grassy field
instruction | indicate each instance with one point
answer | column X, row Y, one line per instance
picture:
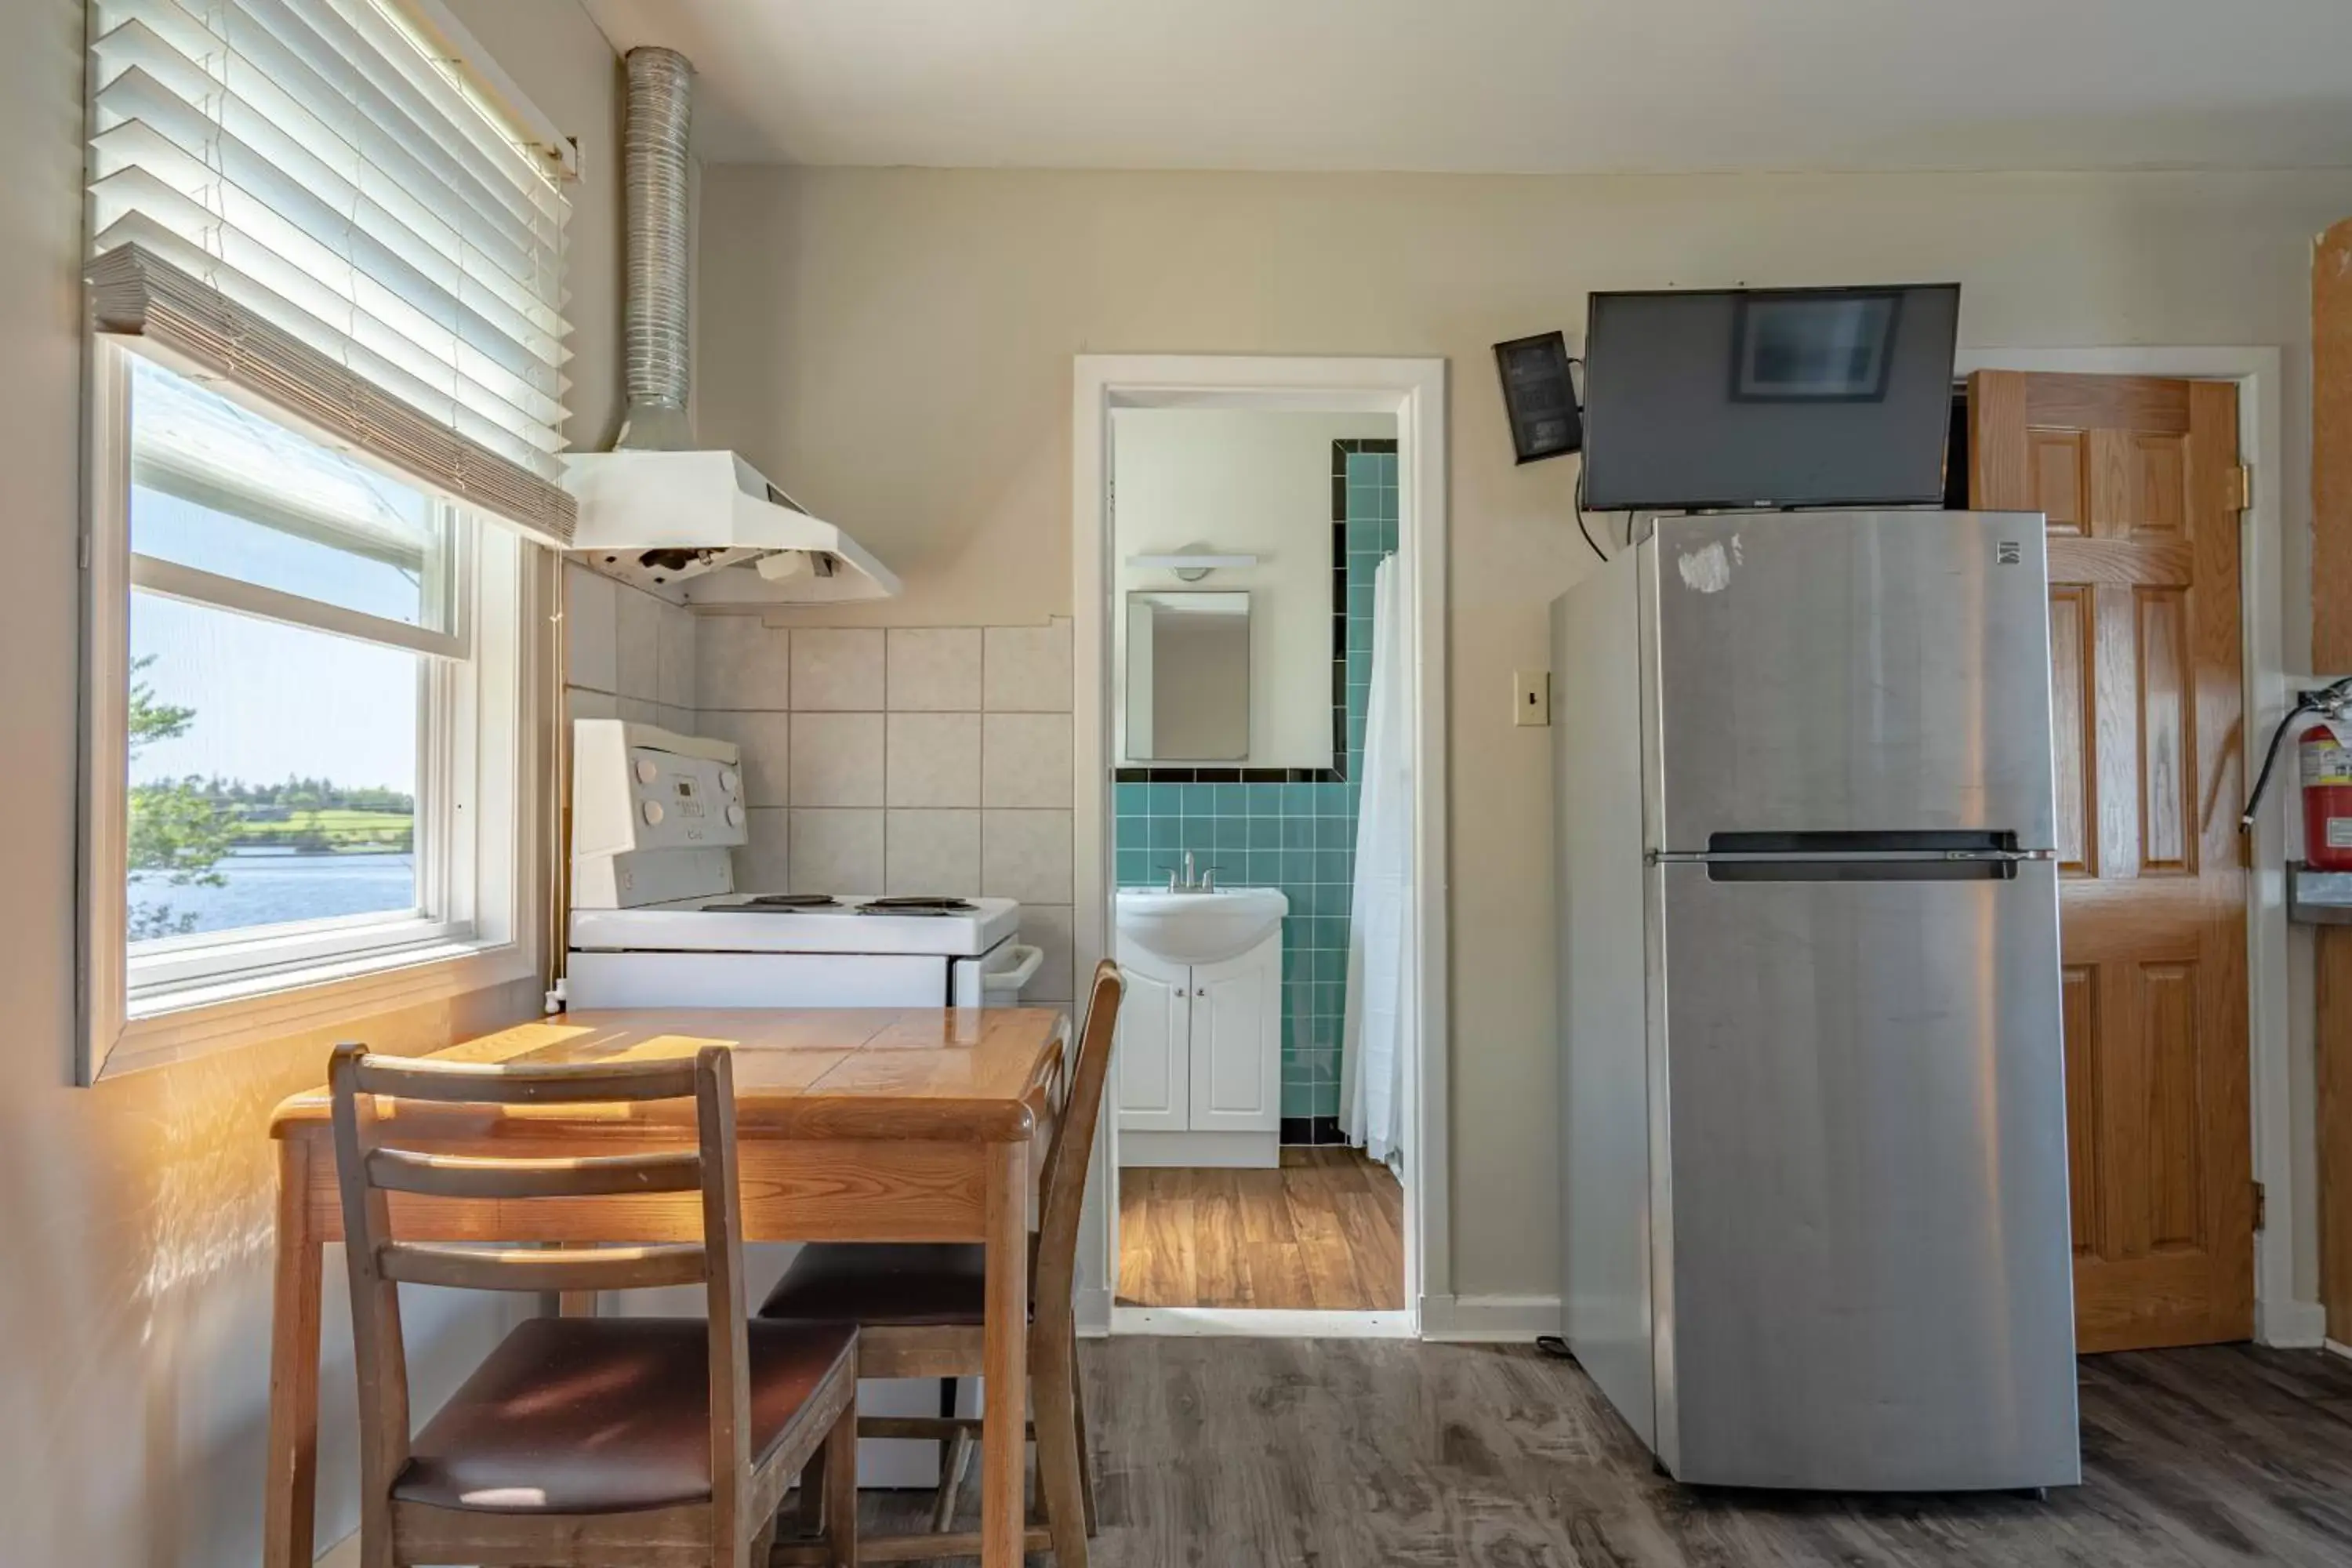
column 334, row 830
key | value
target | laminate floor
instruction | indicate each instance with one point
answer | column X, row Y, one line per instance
column 1225, row 1452
column 1326, row 1230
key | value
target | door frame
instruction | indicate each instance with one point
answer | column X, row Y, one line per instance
column 2278, row 1030
column 1414, row 390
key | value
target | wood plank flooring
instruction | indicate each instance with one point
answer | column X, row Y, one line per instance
column 1325, row 1231
column 1385, row 1454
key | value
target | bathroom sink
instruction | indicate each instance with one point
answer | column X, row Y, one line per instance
column 1197, row 927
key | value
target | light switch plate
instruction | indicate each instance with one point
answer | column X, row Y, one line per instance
column 1531, row 696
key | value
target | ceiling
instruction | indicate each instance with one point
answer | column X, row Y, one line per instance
column 1514, row 85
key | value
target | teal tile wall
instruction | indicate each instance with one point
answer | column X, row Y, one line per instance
column 1299, row 837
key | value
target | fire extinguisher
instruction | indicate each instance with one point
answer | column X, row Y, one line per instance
column 2324, row 761
column 2325, row 767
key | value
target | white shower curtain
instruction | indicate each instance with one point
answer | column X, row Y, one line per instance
column 1381, row 1007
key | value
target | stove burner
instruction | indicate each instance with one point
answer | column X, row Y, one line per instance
column 790, row 902
column 915, row 906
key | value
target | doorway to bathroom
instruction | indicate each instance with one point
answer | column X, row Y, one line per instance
column 1259, row 556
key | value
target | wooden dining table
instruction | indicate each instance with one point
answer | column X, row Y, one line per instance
column 853, row 1124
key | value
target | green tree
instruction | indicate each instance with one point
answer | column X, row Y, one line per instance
column 178, row 832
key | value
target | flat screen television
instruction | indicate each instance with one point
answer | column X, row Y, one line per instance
column 1773, row 397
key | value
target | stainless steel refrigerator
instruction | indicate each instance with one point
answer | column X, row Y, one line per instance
column 1814, row 1127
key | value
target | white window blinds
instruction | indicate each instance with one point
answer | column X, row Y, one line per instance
column 300, row 197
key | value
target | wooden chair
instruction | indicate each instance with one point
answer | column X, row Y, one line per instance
column 918, row 1312
column 595, row 1442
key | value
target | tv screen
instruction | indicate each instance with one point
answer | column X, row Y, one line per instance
column 1767, row 397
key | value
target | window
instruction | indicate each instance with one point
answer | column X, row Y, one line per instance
column 327, row 403
column 311, row 721
column 273, row 736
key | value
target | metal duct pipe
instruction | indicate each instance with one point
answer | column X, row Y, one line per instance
column 654, row 306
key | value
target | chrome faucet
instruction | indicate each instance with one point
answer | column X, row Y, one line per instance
column 1185, row 881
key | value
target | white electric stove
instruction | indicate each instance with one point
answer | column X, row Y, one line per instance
column 656, row 920
column 744, row 951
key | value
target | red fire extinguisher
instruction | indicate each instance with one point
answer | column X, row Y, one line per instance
column 2325, row 766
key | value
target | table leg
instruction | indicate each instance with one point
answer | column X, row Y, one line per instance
column 1003, row 1467
column 291, row 1498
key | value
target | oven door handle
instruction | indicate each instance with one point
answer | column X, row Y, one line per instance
column 1027, row 961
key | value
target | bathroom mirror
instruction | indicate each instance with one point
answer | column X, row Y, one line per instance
column 1187, row 677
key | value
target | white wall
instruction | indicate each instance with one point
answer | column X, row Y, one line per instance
column 1246, row 481
column 833, row 281
column 134, row 1216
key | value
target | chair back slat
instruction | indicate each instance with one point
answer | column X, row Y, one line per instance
column 376, row 1155
column 1064, row 1179
column 525, row 1083
column 477, row 1176
column 541, row 1269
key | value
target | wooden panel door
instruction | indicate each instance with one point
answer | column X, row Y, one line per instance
column 1152, row 1049
column 2138, row 480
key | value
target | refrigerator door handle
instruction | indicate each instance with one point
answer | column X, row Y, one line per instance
column 1839, row 857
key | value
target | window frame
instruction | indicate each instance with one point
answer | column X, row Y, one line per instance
column 478, row 818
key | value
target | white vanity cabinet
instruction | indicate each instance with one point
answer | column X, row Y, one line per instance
column 1198, row 1057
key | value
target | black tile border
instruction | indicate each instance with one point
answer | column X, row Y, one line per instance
column 1312, row 1133
column 1337, row 773
column 1220, row 775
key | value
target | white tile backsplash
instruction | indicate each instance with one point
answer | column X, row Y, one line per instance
column 836, row 759
column 837, row 851
column 765, row 742
column 837, row 669
column 1025, row 759
column 639, row 645
column 910, row 760
column 1025, row 855
column 934, row 759
column 677, row 674
column 592, row 631
column 932, row 852
column 1026, row 670
column 742, row 665
column 584, row 704
column 764, row 865
column 934, row 669
column 1051, row 928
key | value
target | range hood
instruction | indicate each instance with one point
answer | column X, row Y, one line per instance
column 692, row 525
column 705, row 528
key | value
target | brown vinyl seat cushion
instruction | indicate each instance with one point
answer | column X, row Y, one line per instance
column 606, row 1415
column 887, row 1284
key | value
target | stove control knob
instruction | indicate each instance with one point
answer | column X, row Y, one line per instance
column 653, row 814
column 734, row 816
column 731, row 781
column 645, row 770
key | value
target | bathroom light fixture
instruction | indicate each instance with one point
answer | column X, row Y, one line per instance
column 1191, row 563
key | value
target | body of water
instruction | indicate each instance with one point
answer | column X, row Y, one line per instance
column 272, row 888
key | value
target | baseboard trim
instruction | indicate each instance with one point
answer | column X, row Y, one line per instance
column 1218, row 1151
column 2290, row 1325
column 1260, row 1323
column 1489, row 1319
column 2336, row 1347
